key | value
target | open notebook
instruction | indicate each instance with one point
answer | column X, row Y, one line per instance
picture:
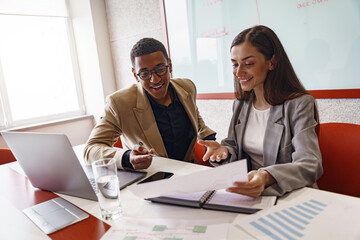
column 219, row 200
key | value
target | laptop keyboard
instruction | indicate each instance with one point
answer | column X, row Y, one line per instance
column 93, row 184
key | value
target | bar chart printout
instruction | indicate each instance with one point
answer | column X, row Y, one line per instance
column 167, row 229
column 310, row 219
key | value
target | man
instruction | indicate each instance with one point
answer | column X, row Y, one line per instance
column 158, row 115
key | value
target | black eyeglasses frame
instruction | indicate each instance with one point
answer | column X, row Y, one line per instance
column 153, row 71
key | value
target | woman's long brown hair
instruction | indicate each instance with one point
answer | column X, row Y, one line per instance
column 281, row 83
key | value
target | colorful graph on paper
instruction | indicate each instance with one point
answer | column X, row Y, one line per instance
column 308, row 219
column 167, row 229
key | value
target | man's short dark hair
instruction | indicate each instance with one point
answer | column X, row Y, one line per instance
column 146, row 46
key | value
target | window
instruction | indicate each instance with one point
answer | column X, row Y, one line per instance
column 199, row 43
column 39, row 76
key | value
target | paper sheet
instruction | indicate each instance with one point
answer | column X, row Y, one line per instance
column 233, row 199
column 155, row 229
column 212, row 179
column 313, row 218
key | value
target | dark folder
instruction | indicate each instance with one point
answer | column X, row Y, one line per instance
column 218, row 200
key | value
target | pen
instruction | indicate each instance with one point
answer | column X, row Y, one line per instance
column 153, row 155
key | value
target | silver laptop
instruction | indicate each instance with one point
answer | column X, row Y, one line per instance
column 51, row 164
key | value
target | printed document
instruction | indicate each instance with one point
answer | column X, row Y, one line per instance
column 212, row 179
column 316, row 217
column 154, row 229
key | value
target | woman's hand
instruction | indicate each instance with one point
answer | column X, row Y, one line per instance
column 140, row 158
column 214, row 151
column 258, row 181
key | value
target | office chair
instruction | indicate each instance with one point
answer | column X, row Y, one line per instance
column 6, row 156
column 340, row 150
column 118, row 143
column 199, row 153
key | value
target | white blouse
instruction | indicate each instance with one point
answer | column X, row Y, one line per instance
column 254, row 136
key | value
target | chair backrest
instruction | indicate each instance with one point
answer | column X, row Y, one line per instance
column 340, row 150
column 199, row 153
column 118, row 143
column 6, row 156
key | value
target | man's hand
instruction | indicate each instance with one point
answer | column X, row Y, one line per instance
column 214, row 151
column 140, row 158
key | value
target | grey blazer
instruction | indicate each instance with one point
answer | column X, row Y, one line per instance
column 291, row 148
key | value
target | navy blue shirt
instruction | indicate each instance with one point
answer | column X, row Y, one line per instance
column 174, row 126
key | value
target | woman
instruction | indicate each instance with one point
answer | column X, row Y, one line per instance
column 274, row 123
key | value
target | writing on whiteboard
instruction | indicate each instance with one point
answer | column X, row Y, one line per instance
column 310, row 3
column 215, row 33
column 211, row 2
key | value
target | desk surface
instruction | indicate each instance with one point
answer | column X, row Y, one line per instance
column 12, row 219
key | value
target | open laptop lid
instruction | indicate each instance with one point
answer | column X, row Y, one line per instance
column 50, row 163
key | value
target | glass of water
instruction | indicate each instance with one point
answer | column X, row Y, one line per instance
column 107, row 188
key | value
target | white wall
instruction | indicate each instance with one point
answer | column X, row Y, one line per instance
column 76, row 129
column 94, row 53
column 217, row 113
column 128, row 22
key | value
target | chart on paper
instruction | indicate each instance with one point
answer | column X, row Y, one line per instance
column 310, row 219
column 164, row 232
column 167, row 229
column 293, row 220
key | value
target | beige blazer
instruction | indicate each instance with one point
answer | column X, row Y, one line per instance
column 128, row 114
column 291, row 150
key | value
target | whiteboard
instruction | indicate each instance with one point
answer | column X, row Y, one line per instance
column 321, row 38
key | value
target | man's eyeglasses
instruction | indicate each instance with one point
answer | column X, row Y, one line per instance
column 147, row 74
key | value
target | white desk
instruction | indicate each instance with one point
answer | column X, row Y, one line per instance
column 133, row 206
